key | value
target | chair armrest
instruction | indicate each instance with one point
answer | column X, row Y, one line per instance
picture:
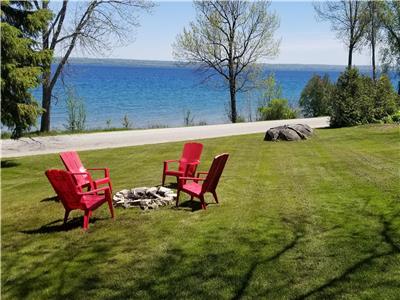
column 166, row 162
column 95, row 191
column 88, row 176
column 171, row 160
column 80, row 173
column 201, row 173
column 191, row 178
column 106, row 171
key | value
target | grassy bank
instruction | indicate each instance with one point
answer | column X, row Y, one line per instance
column 312, row 219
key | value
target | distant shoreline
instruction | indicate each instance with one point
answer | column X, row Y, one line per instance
column 165, row 63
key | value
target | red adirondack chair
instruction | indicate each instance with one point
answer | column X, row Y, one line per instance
column 72, row 197
column 187, row 163
column 210, row 182
column 73, row 164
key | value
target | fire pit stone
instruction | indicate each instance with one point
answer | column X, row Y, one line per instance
column 144, row 197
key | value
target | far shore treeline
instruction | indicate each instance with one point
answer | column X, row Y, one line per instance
column 226, row 42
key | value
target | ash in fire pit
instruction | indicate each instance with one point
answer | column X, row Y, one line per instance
column 144, row 197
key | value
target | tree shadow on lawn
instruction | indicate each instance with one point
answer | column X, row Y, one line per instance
column 394, row 249
column 9, row 164
column 73, row 223
column 68, row 273
column 51, row 199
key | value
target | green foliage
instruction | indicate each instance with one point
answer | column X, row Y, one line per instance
column 396, row 117
column 315, row 97
column 277, row 109
column 387, row 101
column 352, row 103
column 76, row 112
column 271, row 89
column 389, row 14
column 359, row 100
column 240, row 119
column 21, row 64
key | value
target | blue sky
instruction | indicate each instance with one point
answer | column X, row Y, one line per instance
column 304, row 39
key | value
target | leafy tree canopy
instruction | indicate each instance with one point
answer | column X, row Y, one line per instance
column 21, row 63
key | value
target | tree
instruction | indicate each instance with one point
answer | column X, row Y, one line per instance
column 316, row 95
column 89, row 25
column 21, row 63
column 227, row 39
column 372, row 33
column 349, row 18
column 277, row 109
column 390, row 19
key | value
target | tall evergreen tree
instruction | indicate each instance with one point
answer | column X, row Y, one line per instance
column 21, row 63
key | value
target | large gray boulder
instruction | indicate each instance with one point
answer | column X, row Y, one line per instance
column 289, row 133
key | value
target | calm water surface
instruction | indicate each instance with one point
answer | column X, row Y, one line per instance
column 151, row 95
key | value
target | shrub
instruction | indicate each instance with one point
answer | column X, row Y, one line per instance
column 277, row 109
column 352, row 100
column 270, row 89
column 358, row 99
column 76, row 112
column 315, row 97
column 386, row 99
column 126, row 123
column 396, row 117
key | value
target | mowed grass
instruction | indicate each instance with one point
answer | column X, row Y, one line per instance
column 313, row 219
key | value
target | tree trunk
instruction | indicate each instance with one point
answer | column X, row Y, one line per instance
column 373, row 40
column 350, row 60
column 232, row 90
column 46, row 102
column 373, row 61
column 398, row 87
column 46, row 77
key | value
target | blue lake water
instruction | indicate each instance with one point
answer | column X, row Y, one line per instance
column 153, row 95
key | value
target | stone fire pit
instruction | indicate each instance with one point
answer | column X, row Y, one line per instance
column 144, row 197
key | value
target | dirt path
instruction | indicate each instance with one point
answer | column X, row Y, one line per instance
column 115, row 139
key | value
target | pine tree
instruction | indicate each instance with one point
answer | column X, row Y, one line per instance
column 21, row 63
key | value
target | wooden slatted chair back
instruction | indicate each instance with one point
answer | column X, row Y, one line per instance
column 215, row 172
column 191, row 153
column 73, row 164
column 66, row 188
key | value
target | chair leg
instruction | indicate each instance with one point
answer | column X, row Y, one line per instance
column 177, row 198
column 215, row 196
column 191, row 198
column 110, row 185
column 163, row 179
column 109, row 201
column 203, row 203
column 66, row 216
column 110, row 206
column 86, row 219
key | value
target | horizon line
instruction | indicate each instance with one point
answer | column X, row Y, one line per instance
column 175, row 62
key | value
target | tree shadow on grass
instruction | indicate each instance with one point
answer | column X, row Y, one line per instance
column 385, row 238
column 73, row 223
column 50, row 199
column 68, row 273
column 9, row 164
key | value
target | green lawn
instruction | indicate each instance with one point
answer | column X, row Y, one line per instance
column 312, row 219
